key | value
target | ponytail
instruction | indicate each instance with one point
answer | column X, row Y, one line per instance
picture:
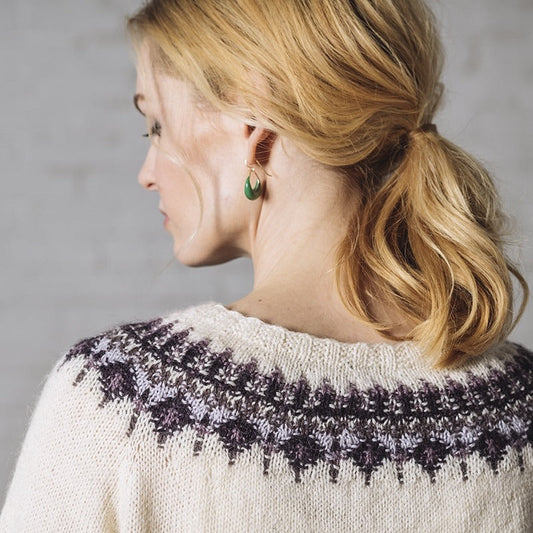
column 429, row 243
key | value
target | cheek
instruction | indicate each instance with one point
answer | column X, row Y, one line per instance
column 178, row 195
column 202, row 154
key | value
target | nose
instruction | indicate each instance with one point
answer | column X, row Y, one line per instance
column 146, row 176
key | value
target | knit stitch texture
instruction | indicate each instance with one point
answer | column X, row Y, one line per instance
column 207, row 420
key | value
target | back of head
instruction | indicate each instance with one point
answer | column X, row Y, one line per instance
column 355, row 84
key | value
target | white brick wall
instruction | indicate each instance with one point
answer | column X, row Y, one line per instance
column 83, row 246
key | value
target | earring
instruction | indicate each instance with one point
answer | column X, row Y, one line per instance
column 255, row 193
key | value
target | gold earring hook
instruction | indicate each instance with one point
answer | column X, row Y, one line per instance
column 252, row 167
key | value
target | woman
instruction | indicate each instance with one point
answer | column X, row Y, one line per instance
column 366, row 383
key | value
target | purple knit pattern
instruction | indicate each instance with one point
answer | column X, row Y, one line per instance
column 181, row 383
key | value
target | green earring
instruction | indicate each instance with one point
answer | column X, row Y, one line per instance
column 255, row 193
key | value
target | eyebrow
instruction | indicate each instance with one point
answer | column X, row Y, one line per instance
column 136, row 99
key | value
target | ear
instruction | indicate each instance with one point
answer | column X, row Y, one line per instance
column 260, row 141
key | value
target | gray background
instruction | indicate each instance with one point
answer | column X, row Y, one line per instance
column 83, row 246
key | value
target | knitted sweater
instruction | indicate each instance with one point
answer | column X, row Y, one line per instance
column 206, row 420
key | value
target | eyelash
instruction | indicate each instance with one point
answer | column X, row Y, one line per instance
column 154, row 130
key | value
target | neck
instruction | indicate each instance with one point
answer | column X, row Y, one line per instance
column 293, row 243
column 297, row 290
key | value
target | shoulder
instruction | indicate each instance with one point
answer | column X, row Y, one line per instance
column 130, row 341
column 78, row 439
column 124, row 342
column 523, row 355
column 149, row 348
column 146, row 365
column 122, row 354
column 508, row 374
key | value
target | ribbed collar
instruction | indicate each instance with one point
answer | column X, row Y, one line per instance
column 297, row 353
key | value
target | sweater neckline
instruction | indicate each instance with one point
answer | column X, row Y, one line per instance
column 293, row 351
column 276, row 330
column 297, row 353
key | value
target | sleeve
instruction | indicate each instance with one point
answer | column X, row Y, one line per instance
column 66, row 477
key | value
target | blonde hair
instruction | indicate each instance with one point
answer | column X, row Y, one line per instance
column 351, row 82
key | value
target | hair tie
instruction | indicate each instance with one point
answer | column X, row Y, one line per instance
column 429, row 126
column 424, row 128
column 407, row 137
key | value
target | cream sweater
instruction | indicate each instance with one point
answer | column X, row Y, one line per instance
column 207, row 420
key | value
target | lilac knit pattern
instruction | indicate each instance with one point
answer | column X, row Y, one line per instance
column 180, row 383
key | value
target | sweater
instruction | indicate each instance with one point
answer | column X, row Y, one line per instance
column 206, row 420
